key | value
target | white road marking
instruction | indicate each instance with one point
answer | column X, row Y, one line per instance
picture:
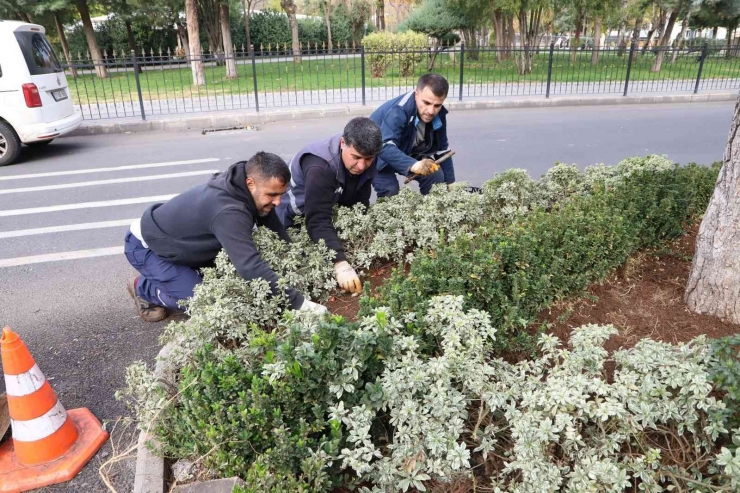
column 115, row 168
column 85, row 205
column 55, row 257
column 61, row 229
column 107, row 182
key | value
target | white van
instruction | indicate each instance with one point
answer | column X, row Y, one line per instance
column 35, row 103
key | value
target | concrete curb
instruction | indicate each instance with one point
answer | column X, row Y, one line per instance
column 150, row 469
column 234, row 119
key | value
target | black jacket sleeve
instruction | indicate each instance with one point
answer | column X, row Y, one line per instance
column 233, row 229
column 321, row 184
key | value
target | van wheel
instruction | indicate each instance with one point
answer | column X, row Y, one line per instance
column 40, row 143
column 10, row 144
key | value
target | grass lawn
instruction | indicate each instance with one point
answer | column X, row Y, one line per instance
column 321, row 73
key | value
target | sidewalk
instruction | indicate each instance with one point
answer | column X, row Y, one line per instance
column 235, row 118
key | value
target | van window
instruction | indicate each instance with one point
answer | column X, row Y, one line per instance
column 38, row 53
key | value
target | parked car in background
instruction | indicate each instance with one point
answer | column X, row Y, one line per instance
column 35, row 102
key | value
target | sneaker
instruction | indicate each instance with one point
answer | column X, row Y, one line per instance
column 148, row 312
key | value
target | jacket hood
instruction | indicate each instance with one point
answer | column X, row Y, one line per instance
column 234, row 182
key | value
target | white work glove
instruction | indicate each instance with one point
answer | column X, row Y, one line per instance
column 310, row 306
column 347, row 278
column 424, row 167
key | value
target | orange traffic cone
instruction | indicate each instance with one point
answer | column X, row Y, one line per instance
column 49, row 445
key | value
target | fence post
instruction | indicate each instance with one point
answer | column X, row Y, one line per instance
column 549, row 69
column 138, row 84
column 254, row 79
column 362, row 69
column 462, row 68
column 629, row 68
column 704, row 51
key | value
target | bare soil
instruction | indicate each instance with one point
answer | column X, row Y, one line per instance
column 643, row 299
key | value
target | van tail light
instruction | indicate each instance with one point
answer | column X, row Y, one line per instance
column 31, row 93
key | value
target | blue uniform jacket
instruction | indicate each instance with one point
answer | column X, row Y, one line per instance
column 397, row 119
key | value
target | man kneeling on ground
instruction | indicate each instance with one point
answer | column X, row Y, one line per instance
column 338, row 170
column 174, row 239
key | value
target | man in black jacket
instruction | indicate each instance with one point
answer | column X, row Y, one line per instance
column 174, row 239
column 338, row 170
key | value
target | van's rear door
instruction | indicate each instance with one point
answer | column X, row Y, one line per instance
column 46, row 72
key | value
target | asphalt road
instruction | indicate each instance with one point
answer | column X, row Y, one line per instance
column 76, row 316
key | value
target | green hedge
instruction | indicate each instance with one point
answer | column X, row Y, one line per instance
column 516, row 271
column 243, row 422
column 267, row 28
column 404, row 50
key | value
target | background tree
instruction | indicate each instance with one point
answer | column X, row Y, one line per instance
column 17, row 9
column 714, row 283
column 231, row 72
column 326, row 7
column 380, row 15
column 677, row 8
column 601, row 10
column 475, row 15
column 436, row 20
column 97, row 58
column 196, row 62
column 247, row 7
column 530, row 18
column 713, row 14
column 290, row 9
column 126, row 12
column 209, row 17
column 360, row 12
column 59, row 12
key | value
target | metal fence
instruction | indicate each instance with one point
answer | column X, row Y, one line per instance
column 141, row 85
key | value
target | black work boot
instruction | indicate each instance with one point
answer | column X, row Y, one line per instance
column 148, row 312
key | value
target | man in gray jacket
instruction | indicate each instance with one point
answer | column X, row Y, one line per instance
column 174, row 239
column 337, row 170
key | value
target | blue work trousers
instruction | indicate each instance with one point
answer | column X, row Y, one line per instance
column 161, row 282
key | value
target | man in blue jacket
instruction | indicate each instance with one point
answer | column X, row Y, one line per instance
column 337, row 170
column 414, row 128
column 173, row 240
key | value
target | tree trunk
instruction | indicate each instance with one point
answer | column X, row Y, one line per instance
column 636, row 37
column 131, row 40
column 247, row 7
column 65, row 46
column 510, row 36
column 714, row 282
column 25, row 17
column 663, row 43
column 621, row 42
column 379, row 15
column 597, row 41
column 577, row 37
column 327, row 19
column 730, row 35
column 714, row 32
column 471, row 44
column 290, row 8
column 680, row 37
column 183, row 34
column 196, row 63
column 231, row 72
column 647, row 40
column 92, row 44
column 209, row 17
column 498, row 32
